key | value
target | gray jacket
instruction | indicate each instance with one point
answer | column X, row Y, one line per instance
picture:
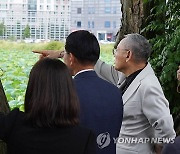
column 147, row 119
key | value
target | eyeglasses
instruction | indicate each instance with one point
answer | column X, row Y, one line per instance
column 63, row 52
column 115, row 51
column 66, row 52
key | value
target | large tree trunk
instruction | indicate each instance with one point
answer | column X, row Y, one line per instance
column 4, row 107
column 134, row 17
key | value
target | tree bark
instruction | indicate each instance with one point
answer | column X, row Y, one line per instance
column 4, row 108
column 134, row 17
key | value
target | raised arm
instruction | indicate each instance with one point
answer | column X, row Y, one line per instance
column 108, row 73
column 50, row 53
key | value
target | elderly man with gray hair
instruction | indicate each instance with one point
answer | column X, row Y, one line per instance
column 147, row 122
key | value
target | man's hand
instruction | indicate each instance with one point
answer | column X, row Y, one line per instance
column 49, row 53
column 178, row 74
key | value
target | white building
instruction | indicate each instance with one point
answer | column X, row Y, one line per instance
column 101, row 17
column 48, row 19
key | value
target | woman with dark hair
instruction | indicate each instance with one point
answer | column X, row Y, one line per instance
column 49, row 124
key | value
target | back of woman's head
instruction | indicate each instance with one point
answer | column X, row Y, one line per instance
column 50, row 99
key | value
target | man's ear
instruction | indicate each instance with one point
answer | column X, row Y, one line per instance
column 129, row 55
column 72, row 59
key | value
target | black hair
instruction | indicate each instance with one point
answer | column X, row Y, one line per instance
column 50, row 98
column 84, row 46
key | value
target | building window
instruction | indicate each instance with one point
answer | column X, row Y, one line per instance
column 24, row 6
column 33, row 14
column 114, row 24
column 101, row 36
column 91, row 10
column 107, row 10
column 107, row 24
column 33, row 20
column 3, row 6
column 48, row 7
column 56, row 7
column 114, row 10
column 92, row 24
column 78, row 24
column 79, row 10
column 41, row 7
column 89, row 24
column 109, row 36
column 32, row 7
column 107, row 1
column 23, row 19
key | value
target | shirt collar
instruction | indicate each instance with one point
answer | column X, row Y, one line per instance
column 133, row 75
column 85, row 70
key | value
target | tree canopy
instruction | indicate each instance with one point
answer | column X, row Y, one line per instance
column 27, row 32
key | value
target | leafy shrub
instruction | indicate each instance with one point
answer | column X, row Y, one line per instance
column 55, row 45
column 166, row 47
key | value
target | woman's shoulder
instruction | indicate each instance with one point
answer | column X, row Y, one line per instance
column 7, row 122
column 14, row 114
column 83, row 131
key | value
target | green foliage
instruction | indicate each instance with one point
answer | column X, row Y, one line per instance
column 17, row 61
column 55, row 45
column 106, row 53
column 2, row 29
column 145, row 1
column 166, row 47
column 12, row 38
column 8, row 46
column 27, row 32
column 16, row 66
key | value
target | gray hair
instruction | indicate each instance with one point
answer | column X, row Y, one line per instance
column 139, row 45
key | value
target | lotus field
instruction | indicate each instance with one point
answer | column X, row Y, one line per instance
column 17, row 61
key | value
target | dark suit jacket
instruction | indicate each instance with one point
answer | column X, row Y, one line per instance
column 22, row 138
column 173, row 148
column 101, row 109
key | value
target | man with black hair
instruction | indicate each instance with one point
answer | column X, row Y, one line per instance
column 100, row 102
